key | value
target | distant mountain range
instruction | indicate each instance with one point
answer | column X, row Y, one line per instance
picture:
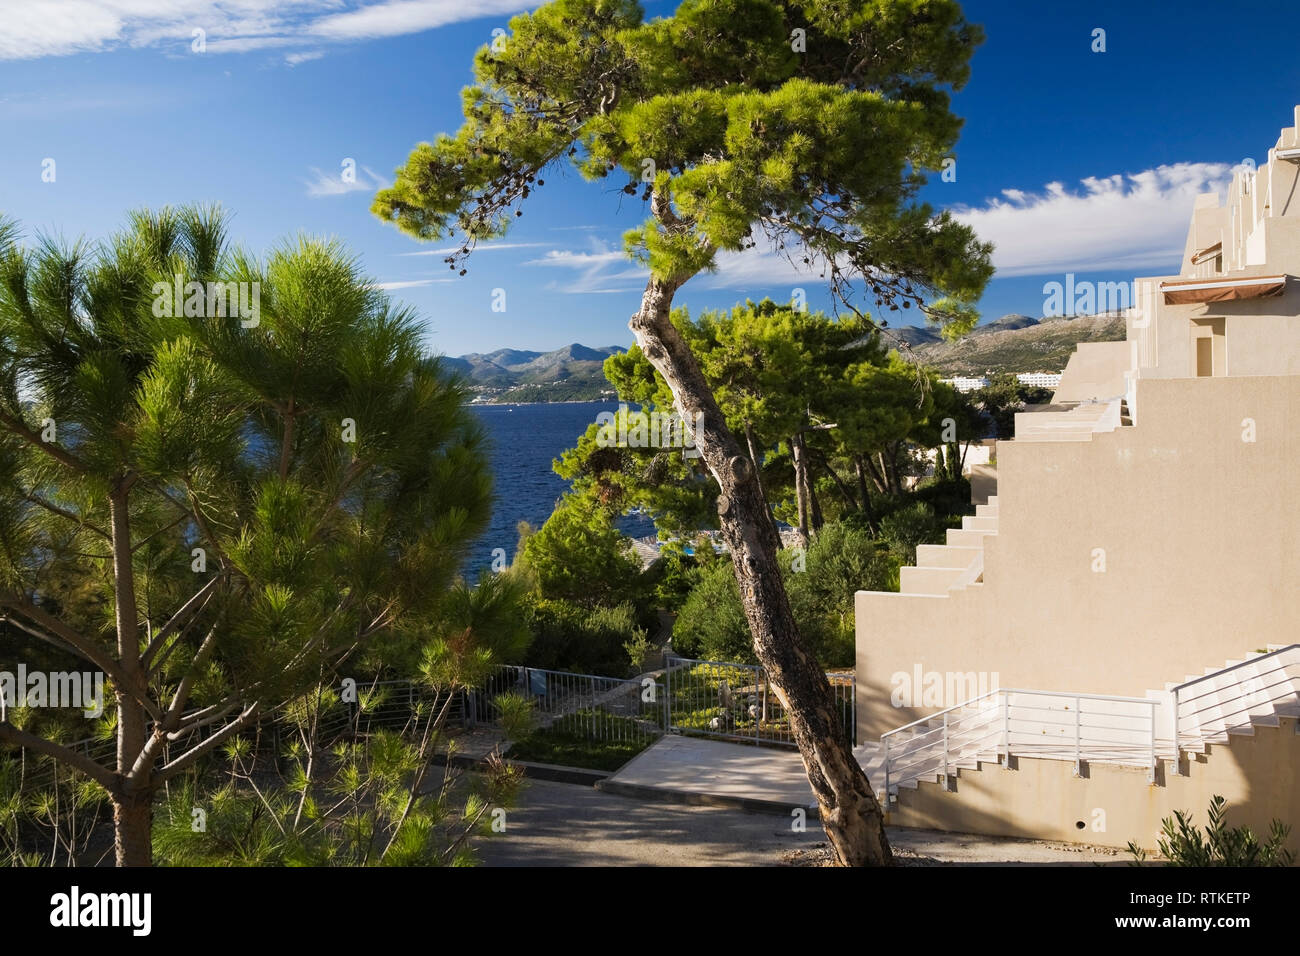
column 1013, row 343
column 573, row 373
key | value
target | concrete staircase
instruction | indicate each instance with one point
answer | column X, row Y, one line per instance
column 1255, row 691
column 1078, row 424
column 959, row 562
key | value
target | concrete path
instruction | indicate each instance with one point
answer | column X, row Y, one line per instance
column 694, row 770
column 561, row 824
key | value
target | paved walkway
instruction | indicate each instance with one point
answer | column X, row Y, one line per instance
column 563, row 824
column 695, row 770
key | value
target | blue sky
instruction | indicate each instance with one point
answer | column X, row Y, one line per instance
column 1070, row 160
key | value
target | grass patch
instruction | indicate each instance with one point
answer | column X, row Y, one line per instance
column 594, row 741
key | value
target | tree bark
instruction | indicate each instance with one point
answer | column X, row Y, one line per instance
column 850, row 812
column 877, row 477
column 802, row 499
column 758, row 472
column 133, row 801
column 845, row 492
column 133, row 828
column 814, row 504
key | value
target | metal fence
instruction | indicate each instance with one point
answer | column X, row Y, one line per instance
column 738, row 702
column 385, row 705
column 579, row 705
column 708, row 698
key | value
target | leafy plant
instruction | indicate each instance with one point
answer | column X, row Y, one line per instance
column 1184, row 845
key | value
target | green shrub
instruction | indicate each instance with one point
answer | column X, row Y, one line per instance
column 1183, row 845
column 570, row 637
column 580, row 557
column 842, row 559
column 711, row 624
column 909, row 526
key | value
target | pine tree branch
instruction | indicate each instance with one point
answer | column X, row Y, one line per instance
column 47, row 624
column 20, row 738
column 18, row 427
column 207, row 746
column 196, row 603
column 64, row 513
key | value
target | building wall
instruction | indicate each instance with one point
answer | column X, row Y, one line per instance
column 1095, row 371
column 1258, row 776
column 1200, row 534
column 1261, row 336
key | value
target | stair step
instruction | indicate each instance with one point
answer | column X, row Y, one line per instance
column 967, row 538
column 977, row 523
column 945, row 556
column 928, row 580
column 986, row 511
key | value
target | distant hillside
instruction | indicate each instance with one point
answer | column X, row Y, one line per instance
column 573, row 373
column 1014, row 343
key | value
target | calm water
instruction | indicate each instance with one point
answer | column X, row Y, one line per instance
column 525, row 440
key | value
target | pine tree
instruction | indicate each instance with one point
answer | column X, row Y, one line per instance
column 807, row 125
column 256, row 491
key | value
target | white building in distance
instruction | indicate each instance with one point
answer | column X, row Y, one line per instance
column 1039, row 379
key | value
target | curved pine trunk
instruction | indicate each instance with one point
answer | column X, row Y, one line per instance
column 850, row 813
column 133, row 805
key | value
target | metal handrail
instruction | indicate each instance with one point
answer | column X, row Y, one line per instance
column 917, row 754
column 1177, row 692
column 923, row 720
column 1246, row 663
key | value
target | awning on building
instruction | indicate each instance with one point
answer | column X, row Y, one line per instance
column 1209, row 252
column 1190, row 291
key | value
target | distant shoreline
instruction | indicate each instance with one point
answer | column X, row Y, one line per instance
column 567, row 401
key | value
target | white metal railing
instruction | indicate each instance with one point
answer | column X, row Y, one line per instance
column 586, row 705
column 1226, row 699
column 739, row 702
column 393, row 708
column 1033, row 723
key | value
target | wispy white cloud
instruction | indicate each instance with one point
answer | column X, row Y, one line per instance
column 606, row 269
column 399, row 17
column 61, row 27
column 595, row 272
column 482, row 247
column 293, row 59
column 409, row 284
column 1121, row 222
column 1124, row 222
column 332, row 184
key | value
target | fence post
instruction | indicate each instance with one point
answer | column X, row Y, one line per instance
column 1175, row 769
column 945, row 750
column 885, row 741
column 668, row 694
column 1152, row 778
column 1078, row 761
column 853, row 710
column 760, row 675
column 1006, row 730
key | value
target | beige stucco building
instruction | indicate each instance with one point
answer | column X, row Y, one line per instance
column 1148, row 534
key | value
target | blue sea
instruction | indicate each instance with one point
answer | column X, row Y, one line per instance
column 525, row 440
